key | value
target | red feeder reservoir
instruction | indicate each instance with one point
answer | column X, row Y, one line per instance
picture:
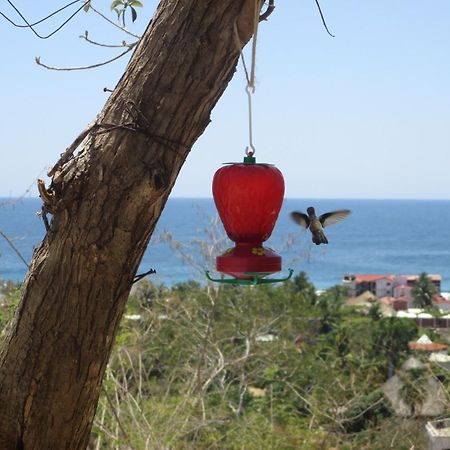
column 248, row 197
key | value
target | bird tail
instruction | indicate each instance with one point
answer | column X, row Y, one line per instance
column 319, row 238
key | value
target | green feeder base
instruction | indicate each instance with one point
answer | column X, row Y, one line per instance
column 256, row 278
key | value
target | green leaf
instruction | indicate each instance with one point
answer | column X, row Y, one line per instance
column 116, row 3
column 87, row 6
column 136, row 4
column 133, row 14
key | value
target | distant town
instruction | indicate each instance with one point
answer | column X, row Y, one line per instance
column 398, row 295
column 394, row 294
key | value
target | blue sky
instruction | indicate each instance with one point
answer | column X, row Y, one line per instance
column 363, row 115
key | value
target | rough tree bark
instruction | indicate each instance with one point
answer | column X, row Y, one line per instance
column 105, row 203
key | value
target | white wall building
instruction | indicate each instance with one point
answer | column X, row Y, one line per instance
column 389, row 285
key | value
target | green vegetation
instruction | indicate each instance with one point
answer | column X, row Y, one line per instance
column 9, row 298
column 262, row 367
column 413, row 390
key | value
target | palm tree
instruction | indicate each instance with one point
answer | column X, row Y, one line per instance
column 424, row 291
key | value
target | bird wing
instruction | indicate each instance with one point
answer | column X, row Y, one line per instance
column 333, row 217
column 301, row 219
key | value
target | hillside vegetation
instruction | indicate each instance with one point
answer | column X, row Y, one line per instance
column 262, row 367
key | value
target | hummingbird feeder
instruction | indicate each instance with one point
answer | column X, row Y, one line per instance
column 248, row 197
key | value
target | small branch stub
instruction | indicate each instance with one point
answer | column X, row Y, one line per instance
column 142, row 275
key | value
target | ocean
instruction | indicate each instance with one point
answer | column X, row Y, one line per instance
column 380, row 236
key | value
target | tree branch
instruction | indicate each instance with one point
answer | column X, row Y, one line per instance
column 142, row 275
column 93, row 66
column 69, row 151
column 116, row 416
column 115, row 24
column 16, row 251
column 122, row 45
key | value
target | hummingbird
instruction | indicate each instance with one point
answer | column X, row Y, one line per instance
column 317, row 224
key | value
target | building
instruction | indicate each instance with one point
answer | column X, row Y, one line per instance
column 397, row 304
column 396, row 286
column 438, row 432
column 441, row 303
column 424, row 319
column 366, row 300
column 434, row 402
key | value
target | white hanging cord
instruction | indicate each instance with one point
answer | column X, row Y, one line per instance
column 250, row 77
column 251, row 82
column 238, row 42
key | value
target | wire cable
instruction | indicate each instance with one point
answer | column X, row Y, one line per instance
column 41, row 20
column 29, row 25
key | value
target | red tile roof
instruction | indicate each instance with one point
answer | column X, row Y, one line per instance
column 430, row 276
column 432, row 347
column 367, row 277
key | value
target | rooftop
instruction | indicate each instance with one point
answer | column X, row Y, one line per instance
column 367, row 277
column 426, row 344
column 389, row 276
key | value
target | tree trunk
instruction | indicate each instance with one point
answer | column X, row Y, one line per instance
column 105, row 203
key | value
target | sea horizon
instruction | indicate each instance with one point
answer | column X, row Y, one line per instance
column 179, row 197
column 381, row 236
